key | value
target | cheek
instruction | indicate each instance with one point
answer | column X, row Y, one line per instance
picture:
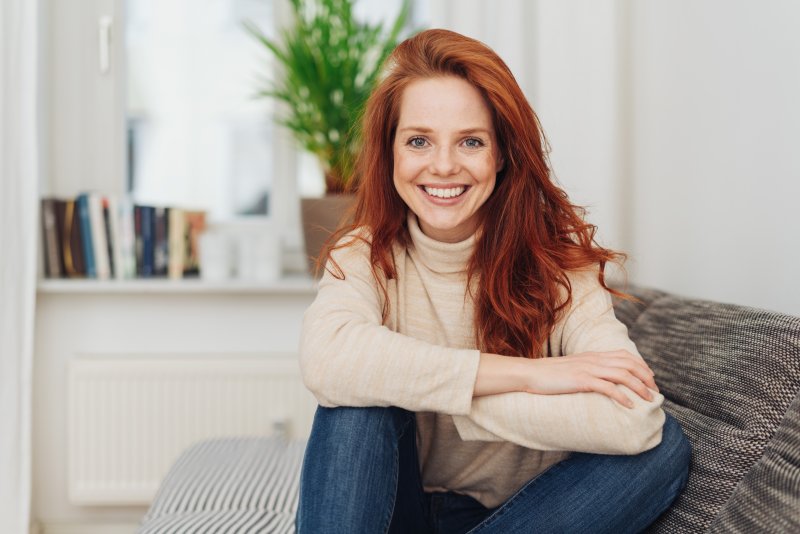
column 487, row 171
column 403, row 168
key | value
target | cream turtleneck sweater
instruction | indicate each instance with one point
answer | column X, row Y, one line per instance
column 423, row 358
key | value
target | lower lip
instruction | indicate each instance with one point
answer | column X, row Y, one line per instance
column 443, row 201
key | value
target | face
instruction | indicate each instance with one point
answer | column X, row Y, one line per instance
column 445, row 155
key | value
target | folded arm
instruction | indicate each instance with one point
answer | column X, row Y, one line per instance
column 586, row 421
column 348, row 358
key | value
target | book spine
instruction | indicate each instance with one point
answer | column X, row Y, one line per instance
column 195, row 225
column 52, row 243
column 111, row 239
column 160, row 243
column 72, row 241
column 60, row 208
column 99, row 239
column 82, row 205
column 115, row 236
column 177, row 243
column 127, row 238
column 138, row 244
column 148, row 260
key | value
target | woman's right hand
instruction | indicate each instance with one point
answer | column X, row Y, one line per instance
column 585, row 372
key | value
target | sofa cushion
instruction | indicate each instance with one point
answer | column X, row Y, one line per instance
column 768, row 498
column 244, row 485
column 729, row 374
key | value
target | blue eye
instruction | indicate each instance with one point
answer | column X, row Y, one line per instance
column 473, row 142
column 417, row 142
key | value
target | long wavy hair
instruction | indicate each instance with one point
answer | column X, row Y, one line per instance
column 531, row 235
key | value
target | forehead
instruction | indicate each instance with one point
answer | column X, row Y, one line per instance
column 445, row 102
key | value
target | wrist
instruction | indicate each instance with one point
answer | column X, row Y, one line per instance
column 502, row 374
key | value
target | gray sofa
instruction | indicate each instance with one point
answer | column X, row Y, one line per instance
column 731, row 376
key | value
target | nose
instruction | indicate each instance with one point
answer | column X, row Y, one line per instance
column 444, row 162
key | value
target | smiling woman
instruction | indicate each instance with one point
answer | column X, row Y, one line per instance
column 445, row 156
column 463, row 341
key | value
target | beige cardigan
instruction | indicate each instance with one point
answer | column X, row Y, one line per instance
column 423, row 358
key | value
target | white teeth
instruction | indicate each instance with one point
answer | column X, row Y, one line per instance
column 445, row 193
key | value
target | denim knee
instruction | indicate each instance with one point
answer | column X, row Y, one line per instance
column 350, row 469
column 675, row 451
column 361, row 423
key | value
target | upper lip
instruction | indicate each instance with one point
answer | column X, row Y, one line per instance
column 443, row 186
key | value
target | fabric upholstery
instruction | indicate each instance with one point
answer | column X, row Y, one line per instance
column 241, row 485
column 729, row 374
column 768, row 498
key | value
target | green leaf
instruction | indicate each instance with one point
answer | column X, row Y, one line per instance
column 330, row 62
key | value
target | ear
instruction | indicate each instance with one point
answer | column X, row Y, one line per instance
column 501, row 162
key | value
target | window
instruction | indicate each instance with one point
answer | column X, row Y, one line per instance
column 196, row 134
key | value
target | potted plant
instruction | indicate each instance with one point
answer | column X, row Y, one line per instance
column 330, row 62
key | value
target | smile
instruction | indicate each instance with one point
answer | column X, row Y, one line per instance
column 450, row 192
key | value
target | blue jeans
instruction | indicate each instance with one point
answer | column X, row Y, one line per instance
column 361, row 475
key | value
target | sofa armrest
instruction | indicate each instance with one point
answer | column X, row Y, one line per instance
column 768, row 497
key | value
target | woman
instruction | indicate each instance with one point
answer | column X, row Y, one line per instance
column 470, row 371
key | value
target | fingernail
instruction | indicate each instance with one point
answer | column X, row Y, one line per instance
column 630, row 404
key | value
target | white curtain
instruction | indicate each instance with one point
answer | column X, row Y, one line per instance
column 18, row 244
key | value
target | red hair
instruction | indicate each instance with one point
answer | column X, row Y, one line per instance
column 531, row 234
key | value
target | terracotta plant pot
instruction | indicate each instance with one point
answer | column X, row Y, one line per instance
column 321, row 217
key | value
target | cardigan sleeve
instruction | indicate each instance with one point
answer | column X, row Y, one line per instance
column 348, row 358
column 581, row 422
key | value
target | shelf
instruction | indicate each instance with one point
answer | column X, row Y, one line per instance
column 290, row 285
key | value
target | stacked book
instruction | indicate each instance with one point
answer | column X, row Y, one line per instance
column 98, row 236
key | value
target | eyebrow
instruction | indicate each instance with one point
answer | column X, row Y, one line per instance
column 424, row 129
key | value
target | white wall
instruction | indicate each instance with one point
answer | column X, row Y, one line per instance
column 577, row 97
column 504, row 25
column 678, row 123
column 715, row 155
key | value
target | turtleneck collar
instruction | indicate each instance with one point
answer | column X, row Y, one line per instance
column 438, row 256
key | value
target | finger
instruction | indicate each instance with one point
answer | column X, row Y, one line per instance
column 642, row 372
column 635, row 358
column 635, row 365
column 609, row 390
column 625, row 378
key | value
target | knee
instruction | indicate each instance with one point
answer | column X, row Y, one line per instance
column 675, row 451
column 360, row 423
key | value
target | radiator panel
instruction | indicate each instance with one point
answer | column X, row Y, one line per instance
column 130, row 417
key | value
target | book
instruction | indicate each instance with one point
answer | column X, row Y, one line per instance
column 195, row 225
column 146, row 232
column 176, row 228
column 68, row 223
column 102, row 261
column 127, row 238
column 138, row 244
column 107, row 218
column 160, row 241
column 82, row 208
column 97, row 236
column 53, row 259
column 113, row 219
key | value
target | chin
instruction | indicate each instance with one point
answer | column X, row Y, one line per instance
column 440, row 226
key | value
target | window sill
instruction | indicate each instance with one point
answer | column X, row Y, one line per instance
column 289, row 285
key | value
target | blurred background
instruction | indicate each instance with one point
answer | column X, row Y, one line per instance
column 675, row 122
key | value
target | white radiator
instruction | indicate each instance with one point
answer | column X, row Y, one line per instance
column 130, row 417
